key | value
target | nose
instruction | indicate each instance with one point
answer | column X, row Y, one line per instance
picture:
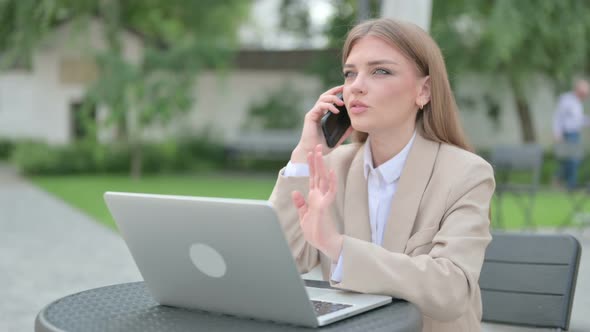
column 358, row 86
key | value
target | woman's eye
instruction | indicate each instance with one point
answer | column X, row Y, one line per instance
column 348, row 74
column 381, row 72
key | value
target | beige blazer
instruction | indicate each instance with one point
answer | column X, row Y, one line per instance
column 435, row 238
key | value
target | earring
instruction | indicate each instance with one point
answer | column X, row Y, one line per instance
column 421, row 106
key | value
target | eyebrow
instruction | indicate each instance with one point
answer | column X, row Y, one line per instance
column 373, row 63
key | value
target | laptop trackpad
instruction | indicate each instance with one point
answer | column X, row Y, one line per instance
column 316, row 293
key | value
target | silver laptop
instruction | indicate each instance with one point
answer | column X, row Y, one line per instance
column 224, row 255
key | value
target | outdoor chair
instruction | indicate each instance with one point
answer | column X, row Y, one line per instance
column 530, row 279
column 268, row 144
column 517, row 171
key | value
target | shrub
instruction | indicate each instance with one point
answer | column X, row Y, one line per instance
column 114, row 159
column 6, row 149
column 189, row 154
column 35, row 158
column 200, row 154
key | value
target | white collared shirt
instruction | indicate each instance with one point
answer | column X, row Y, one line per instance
column 381, row 185
column 569, row 116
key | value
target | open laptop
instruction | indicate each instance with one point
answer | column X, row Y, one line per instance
column 224, row 255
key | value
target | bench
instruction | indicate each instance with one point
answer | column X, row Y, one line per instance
column 266, row 144
column 517, row 171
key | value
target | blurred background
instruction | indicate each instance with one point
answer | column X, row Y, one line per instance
column 133, row 89
column 205, row 97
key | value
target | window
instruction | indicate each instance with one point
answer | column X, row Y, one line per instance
column 77, row 70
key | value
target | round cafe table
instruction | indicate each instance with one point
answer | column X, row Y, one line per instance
column 130, row 307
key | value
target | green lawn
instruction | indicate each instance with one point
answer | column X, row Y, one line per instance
column 550, row 208
column 85, row 193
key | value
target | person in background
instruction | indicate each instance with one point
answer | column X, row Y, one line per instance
column 403, row 210
column 568, row 122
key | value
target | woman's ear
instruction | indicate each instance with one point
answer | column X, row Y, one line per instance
column 423, row 97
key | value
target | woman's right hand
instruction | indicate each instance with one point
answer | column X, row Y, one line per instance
column 312, row 134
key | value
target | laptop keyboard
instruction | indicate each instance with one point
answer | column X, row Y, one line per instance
column 322, row 308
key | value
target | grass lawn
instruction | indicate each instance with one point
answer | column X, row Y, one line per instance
column 85, row 193
column 550, row 209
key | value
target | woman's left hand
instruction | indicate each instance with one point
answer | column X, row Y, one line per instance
column 314, row 217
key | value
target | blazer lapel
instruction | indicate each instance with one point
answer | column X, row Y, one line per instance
column 356, row 200
column 410, row 188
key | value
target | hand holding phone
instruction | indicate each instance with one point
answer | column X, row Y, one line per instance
column 335, row 125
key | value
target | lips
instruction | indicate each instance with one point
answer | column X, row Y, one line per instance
column 357, row 107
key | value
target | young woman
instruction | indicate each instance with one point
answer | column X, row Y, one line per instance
column 404, row 209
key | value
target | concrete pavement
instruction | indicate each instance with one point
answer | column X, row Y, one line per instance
column 49, row 250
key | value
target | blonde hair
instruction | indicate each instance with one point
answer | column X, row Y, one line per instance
column 438, row 120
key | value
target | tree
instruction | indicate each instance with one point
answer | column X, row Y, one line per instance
column 180, row 38
column 294, row 18
column 280, row 110
column 346, row 14
column 515, row 39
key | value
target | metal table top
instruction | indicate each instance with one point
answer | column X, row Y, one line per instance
column 130, row 307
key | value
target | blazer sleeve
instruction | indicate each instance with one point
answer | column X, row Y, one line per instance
column 305, row 255
column 443, row 282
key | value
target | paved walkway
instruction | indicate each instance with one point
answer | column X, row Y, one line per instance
column 49, row 250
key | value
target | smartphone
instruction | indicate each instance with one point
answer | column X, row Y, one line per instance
column 335, row 125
